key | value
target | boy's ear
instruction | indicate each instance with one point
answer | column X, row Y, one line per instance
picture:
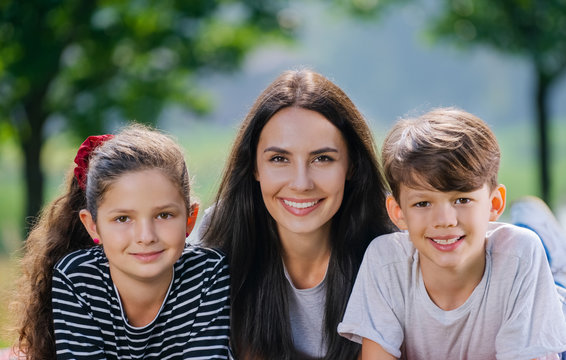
column 498, row 198
column 395, row 213
column 89, row 224
column 192, row 219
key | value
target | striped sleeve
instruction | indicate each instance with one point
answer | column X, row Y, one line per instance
column 211, row 328
column 77, row 334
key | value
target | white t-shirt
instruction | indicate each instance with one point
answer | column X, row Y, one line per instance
column 513, row 313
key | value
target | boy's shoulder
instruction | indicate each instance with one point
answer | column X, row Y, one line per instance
column 390, row 248
column 512, row 239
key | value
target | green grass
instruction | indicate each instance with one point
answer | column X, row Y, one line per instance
column 207, row 148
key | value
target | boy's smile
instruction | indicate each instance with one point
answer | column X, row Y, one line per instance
column 447, row 228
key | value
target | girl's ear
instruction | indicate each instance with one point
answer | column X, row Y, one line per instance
column 498, row 198
column 89, row 224
column 395, row 213
column 192, row 219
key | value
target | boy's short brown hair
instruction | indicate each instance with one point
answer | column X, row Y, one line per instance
column 446, row 149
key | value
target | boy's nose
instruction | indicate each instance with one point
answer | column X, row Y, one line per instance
column 301, row 179
column 445, row 216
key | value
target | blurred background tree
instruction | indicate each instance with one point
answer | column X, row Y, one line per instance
column 531, row 29
column 84, row 66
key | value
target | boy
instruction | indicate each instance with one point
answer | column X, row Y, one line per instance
column 454, row 286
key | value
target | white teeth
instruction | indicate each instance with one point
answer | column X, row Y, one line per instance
column 446, row 242
column 302, row 205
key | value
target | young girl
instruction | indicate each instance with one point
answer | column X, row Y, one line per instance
column 124, row 286
column 300, row 200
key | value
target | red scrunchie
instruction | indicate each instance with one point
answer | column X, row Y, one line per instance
column 83, row 155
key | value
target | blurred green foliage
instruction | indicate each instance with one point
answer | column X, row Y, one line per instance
column 532, row 29
column 85, row 66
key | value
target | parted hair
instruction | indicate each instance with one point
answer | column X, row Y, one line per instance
column 446, row 149
column 242, row 227
column 59, row 230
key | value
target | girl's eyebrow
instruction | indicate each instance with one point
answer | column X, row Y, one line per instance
column 314, row 152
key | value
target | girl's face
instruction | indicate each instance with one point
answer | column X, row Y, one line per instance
column 142, row 221
column 302, row 165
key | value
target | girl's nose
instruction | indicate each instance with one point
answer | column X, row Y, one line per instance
column 146, row 232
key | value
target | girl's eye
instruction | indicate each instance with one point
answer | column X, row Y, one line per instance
column 422, row 204
column 463, row 201
column 164, row 215
column 122, row 219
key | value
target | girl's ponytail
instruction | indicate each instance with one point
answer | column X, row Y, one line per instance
column 57, row 233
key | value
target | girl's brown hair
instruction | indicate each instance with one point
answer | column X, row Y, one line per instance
column 59, row 230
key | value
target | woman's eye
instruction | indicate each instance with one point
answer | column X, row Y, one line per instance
column 463, row 201
column 122, row 219
column 277, row 158
column 323, row 158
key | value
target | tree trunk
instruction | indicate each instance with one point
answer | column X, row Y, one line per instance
column 33, row 178
column 543, row 82
column 32, row 142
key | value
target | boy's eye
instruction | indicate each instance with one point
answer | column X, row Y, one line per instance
column 422, row 204
column 164, row 215
column 122, row 219
column 463, row 200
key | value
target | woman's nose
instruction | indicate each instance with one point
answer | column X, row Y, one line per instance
column 301, row 179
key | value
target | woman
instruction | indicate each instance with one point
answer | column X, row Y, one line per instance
column 301, row 198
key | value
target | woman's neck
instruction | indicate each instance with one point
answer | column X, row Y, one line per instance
column 306, row 257
column 142, row 300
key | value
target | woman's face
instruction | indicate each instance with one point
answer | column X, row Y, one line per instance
column 302, row 166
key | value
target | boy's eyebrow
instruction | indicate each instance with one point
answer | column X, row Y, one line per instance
column 314, row 152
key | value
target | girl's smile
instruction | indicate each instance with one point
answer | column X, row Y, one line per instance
column 141, row 223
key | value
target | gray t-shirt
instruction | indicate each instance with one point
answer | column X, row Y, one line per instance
column 306, row 314
column 513, row 313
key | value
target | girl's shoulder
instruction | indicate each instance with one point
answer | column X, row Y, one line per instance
column 199, row 253
column 197, row 256
column 83, row 260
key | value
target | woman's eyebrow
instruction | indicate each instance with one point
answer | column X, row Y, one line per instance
column 314, row 152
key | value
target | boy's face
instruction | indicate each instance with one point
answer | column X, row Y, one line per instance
column 447, row 228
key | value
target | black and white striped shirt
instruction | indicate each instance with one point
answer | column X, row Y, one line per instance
column 193, row 322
